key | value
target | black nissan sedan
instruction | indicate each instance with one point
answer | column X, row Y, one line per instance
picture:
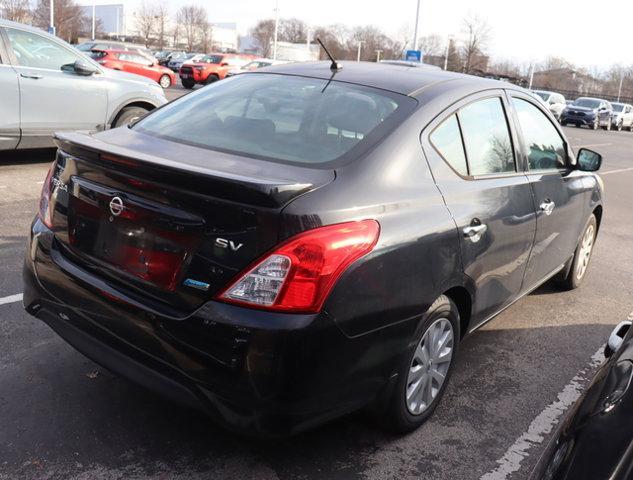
column 302, row 241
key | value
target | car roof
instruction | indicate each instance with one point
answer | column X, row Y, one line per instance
column 395, row 78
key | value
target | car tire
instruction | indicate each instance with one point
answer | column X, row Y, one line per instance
column 442, row 317
column 212, row 79
column 164, row 81
column 582, row 256
column 619, row 127
column 187, row 83
column 631, row 127
column 127, row 115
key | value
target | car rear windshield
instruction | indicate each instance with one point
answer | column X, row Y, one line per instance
column 212, row 59
column 587, row 102
column 543, row 95
column 280, row 117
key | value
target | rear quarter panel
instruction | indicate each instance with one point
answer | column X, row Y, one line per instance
column 417, row 254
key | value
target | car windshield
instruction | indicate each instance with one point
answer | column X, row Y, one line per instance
column 212, row 59
column 587, row 102
column 85, row 47
column 543, row 95
column 279, row 117
column 617, row 107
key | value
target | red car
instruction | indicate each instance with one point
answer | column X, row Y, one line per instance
column 212, row 68
column 134, row 62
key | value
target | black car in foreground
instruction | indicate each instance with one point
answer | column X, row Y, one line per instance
column 596, row 440
column 300, row 242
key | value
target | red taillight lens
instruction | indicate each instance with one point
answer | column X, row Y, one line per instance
column 45, row 199
column 299, row 274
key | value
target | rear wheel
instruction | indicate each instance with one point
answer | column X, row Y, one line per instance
column 128, row 115
column 582, row 255
column 212, row 79
column 165, row 81
column 187, row 83
column 425, row 369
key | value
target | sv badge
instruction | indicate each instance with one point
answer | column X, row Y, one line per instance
column 230, row 244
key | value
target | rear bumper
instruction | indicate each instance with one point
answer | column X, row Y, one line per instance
column 252, row 371
column 585, row 120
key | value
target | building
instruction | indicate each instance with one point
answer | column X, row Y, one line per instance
column 567, row 79
column 111, row 17
column 225, row 37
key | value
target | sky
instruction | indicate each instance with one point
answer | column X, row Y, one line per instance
column 586, row 32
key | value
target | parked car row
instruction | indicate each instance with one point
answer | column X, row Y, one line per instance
column 133, row 62
column 48, row 86
column 587, row 111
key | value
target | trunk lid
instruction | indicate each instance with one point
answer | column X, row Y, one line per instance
column 166, row 222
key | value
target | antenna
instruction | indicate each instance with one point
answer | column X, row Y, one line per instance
column 334, row 66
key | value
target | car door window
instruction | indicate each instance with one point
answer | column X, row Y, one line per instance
column 486, row 137
column 545, row 147
column 35, row 51
column 447, row 140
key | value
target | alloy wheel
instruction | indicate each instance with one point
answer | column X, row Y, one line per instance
column 430, row 365
column 584, row 254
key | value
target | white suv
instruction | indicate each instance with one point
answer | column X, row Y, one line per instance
column 554, row 101
column 622, row 116
column 47, row 86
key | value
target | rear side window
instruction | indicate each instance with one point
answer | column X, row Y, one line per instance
column 486, row 137
column 447, row 140
column 280, row 117
column 545, row 147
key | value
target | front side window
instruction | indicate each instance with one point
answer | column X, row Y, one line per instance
column 212, row 59
column 486, row 137
column 279, row 117
column 447, row 140
column 545, row 147
column 35, row 51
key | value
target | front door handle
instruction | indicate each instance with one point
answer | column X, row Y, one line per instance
column 547, row 206
column 475, row 232
column 32, row 76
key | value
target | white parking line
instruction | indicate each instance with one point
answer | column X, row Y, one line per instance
column 11, row 299
column 41, row 182
column 617, row 171
column 544, row 422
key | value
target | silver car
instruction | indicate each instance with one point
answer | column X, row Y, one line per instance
column 554, row 101
column 47, row 86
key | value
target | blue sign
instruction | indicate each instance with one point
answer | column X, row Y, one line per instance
column 413, row 56
column 51, row 30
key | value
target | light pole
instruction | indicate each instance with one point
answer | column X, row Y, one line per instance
column 620, row 87
column 448, row 47
column 415, row 31
column 52, row 19
column 378, row 52
column 360, row 44
column 94, row 21
column 276, row 29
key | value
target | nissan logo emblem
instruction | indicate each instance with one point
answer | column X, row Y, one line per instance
column 116, row 206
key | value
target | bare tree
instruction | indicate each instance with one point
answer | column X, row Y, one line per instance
column 146, row 21
column 69, row 18
column 292, row 30
column 190, row 18
column 477, row 35
column 175, row 33
column 162, row 18
column 15, row 10
column 432, row 45
column 206, row 36
column 263, row 33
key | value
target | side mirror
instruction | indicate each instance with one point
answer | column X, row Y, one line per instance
column 588, row 160
column 80, row 68
column 224, row 64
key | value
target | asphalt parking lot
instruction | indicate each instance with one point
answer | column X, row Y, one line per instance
column 62, row 416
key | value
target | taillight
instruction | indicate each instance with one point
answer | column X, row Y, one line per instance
column 45, row 198
column 299, row 274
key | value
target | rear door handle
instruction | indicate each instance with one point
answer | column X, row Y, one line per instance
column 32, row 76
column 547, row 207
column 475, row 232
